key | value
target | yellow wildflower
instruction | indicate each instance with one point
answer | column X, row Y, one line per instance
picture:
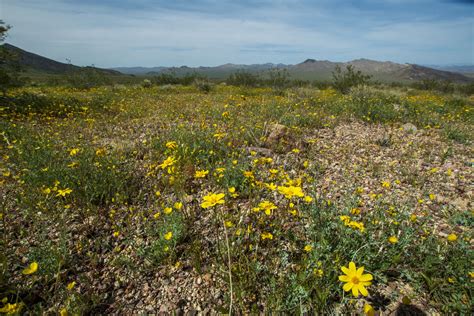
column 393, row 239
column 168, row 235
column 213, row 199
column 369, row 310
column 291, row 191
column 201, row 173
column 355, row 280
column 73, row 151
column 71, row 285
column 64, row 192
column 32, row 268
column 267, row 207
column 452, row 237
column 168, row 162
column 171, row 145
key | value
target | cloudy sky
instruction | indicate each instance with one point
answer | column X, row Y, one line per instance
column 110, row 33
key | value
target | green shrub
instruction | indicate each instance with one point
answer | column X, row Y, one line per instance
column 243, row 78
column 343, row 81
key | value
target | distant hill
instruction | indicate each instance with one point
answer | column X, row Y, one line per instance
column 36, row 63
column 462, row 69
column 312, row 69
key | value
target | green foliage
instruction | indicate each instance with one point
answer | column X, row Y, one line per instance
column 87, row 78
column 203, row 85
column 243, row 78
column 9, row 66
column 278, row 78
column 146, row 83
column 344, row 80
column 172, row 78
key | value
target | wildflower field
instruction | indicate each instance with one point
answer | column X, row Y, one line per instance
column 134, row 200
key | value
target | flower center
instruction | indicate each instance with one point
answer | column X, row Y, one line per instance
column 355, row 280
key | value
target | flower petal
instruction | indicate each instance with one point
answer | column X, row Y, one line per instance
column 352, row 267
column 366, row 277
column 345, row 270
column 344, row 278
column 348, row 286
column 360, row 271
column 363, row 290
column 355, row 291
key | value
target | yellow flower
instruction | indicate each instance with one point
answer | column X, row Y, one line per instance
column 228, row 224
column 318, row 272
column 167, row 210
column 308, row 248
column 47, row 191
column 308, row 199
column 295, row 150
column 178, row 205
column 73, row 164
column 74, row 151
column 63, row 312
column 201, row 173
column 355, row 280
column 32, row 268
column 369, row 310
column 156, row 215
column 71, row 285
column 291, row 191
column 100, row 152
column 267, row 207
column 171, row 145
column 64, row 192
column 273, row 171
column 266, row 236
column 11, row 309
column 386, row 184
column 355, row 211
column 232, row 192
column 393, row 239
column 168, row 235
column 213, row 199
column 167, row 162
column 271, row 186
column 452, row 237
column 116, row 234
column 158, row 193
column 432, row 197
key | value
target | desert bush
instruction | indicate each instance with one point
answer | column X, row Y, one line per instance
column 146, row 83
column 173, row 79
column 243, row 78
column 203, row 85
column 344, row 80
column 87, row 78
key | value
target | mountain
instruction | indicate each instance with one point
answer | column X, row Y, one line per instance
column 36, row 63
column 312, row 69
column 380, row 70
column 463, row 69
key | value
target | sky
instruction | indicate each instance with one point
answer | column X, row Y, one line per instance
column 149, row 33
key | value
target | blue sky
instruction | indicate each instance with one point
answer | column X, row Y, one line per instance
column 149, row 33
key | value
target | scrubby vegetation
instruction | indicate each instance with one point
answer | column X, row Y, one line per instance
column 147, row 198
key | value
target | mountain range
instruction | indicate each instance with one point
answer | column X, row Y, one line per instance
column 310, row 69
